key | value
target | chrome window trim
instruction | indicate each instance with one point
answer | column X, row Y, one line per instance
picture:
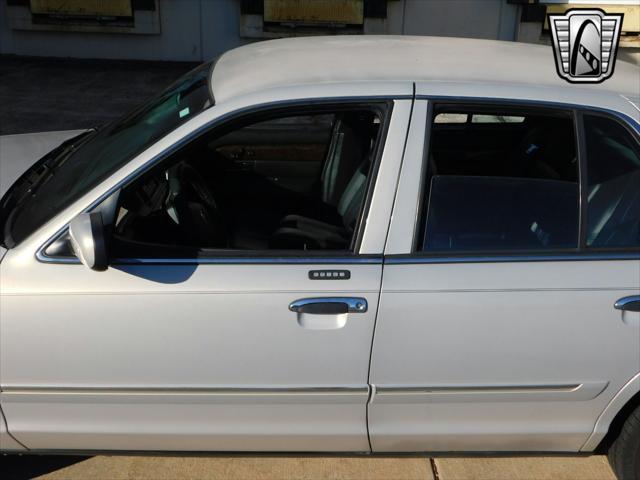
column 226, row 260
column 249, row 260
column 42, row 257
column 412, row 259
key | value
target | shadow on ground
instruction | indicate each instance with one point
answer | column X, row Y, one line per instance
column 23, row 467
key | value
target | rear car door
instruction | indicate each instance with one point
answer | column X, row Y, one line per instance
column 506, row 318
column 228, row 350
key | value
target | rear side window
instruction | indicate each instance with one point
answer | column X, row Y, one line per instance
column 506, row 181
column 613, row 184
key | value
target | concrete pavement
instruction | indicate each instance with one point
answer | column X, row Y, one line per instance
column 308, row 468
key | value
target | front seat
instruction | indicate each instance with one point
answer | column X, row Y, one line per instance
column 299, row 232
column 343, row 186
column 344, row 156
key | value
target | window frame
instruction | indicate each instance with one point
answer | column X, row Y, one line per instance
column 383, row 107
column 581, row 252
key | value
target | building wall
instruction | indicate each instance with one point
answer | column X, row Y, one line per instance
column 492, row 19
column 195, row 30
column 191, row 30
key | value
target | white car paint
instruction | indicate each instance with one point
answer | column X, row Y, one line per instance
column 479, row 356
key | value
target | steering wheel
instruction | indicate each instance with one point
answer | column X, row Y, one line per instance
column 192, row 205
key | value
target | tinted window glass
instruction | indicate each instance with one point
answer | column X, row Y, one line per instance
column 508, row 184
column 291, row 182
column 613, row 170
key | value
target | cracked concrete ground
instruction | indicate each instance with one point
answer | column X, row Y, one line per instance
column 309, row 468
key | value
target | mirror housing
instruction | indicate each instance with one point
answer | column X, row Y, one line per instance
column 87, row 235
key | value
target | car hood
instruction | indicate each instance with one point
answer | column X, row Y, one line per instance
column 19, row 152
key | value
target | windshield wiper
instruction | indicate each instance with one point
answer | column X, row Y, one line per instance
column 35, row 176
column 49, row 164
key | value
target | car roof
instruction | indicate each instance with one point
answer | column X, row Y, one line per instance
column 376, row 58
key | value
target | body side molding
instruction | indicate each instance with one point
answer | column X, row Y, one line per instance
column 575, row 391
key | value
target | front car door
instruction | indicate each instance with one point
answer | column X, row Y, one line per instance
column 497, row 329
column 208, row 352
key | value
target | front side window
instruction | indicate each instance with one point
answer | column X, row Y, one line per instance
column 500, row 180
column 613, row 190
column 72, row 170
column 284, row 181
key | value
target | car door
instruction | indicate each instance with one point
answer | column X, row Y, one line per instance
column 480, row 346
column 228, row 352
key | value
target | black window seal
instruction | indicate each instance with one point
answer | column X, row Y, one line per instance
column 418, row 230
column 581, row 144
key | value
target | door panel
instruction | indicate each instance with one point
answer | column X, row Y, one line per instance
column 500, row 356
column 205, row 357
column 494, row 353
column 193, row 357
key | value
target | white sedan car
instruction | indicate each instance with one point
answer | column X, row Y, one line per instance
column 372, row 245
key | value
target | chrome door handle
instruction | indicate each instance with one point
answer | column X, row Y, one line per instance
column 329, row 305
column 629, row 304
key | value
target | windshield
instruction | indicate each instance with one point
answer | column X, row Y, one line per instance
column 42, row 192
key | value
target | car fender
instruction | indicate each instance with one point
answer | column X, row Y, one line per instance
column 616, row 404
column 7, row 442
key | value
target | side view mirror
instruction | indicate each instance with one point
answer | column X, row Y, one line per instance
column 87, row 234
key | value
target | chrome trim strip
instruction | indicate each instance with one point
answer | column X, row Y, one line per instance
column 231, row 261
column 404, row 390
column 525, row 257
column 226, row 259
column 262, row 391
column 444, row 394
column 252, row 260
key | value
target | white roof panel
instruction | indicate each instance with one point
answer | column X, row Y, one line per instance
column 342, row 59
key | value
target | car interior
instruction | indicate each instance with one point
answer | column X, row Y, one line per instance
column 509, row 179
column 288, row 182
column 613, row 195
column 500, row 180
